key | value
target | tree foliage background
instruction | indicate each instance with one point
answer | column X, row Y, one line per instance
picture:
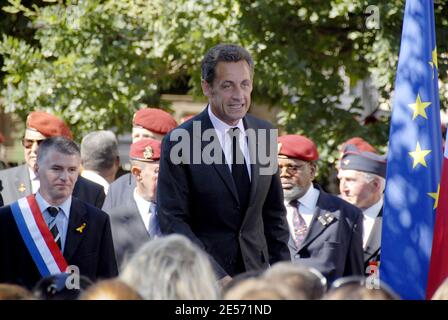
column 94, row 62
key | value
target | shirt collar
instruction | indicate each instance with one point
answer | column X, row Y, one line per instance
column 43, row 204
column 142, row 204
column 309, row 199
column 222, row 127
column 95, row 177
column 32, row 174
column 374, row 210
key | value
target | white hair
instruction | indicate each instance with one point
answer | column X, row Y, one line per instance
column 171, row 268
column 369, row 177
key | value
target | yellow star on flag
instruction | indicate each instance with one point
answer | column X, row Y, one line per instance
column 435, row 196
column 419, row 156
column 419, row 108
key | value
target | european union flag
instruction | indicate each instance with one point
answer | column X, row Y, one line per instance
column 414, row 157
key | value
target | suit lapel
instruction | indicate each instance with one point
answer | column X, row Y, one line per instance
column 322, row 219
column 374, row 243
column 78, row 218
column 134, row 221
column 222, row 169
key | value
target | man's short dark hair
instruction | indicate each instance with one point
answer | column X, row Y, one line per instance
column 59, row 144
column 224, row 53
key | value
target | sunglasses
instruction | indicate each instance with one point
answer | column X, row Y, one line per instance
column 28, row 143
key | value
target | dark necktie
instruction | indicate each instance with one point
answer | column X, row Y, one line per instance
column 53, row 211
column 239, row 170
column 299, row 224
column 153, row 227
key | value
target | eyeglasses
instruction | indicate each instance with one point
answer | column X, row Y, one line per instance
column 292, row 169
column 28, row 143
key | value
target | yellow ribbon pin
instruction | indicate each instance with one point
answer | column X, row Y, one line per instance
column 81, row 228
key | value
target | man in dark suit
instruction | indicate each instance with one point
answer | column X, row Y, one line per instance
column 21, row 181
column 135, row 221
column 325, row 231
column 220, row 194
column 147, row 123
column 69, row 226
column 362, row 181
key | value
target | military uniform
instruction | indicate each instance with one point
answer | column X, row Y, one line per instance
column 135, row 221
column 154, row 123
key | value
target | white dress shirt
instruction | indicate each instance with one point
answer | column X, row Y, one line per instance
column 95, row 177
column 307, row 206
column 222, row 130
column 370, row 215
column 143, row 208
column 61, row 219
column 35, row 183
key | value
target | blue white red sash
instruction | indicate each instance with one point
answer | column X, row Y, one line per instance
column 37, row 237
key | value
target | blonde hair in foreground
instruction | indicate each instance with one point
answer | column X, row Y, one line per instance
column 171, row 268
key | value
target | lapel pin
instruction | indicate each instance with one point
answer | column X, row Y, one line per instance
column 22, row 187
column 326, row 219
column 80, row 229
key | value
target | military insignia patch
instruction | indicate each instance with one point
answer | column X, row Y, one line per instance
column 22, row 187
column 148, row 153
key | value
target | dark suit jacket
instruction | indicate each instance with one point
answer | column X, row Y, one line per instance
column 92, row 250
column 1, row 198
column 373, row 246
column 335, row 249
column 128, row 231
column 201, row 202
column 17, row 184
column 120, row 191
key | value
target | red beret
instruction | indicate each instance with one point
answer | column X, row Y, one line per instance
column 48, row 124
column 360, row 144
column 145, row 150
column 297, row 146
column 155, row 120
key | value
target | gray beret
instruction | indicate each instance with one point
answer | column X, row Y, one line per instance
column 366, row 161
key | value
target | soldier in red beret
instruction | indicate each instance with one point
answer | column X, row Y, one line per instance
column 325, row 231
column 147, row 123
column 134, row 222
column 151, row 123
column 21, row 181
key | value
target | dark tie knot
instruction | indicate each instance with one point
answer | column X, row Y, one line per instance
column 234, row 132
column 294, row 203
column 53, row 211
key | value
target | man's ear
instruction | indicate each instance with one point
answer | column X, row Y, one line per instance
column 136, row 172
column 313, row 169
column 206, row 88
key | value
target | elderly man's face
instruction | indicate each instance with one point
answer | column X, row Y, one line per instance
column 296, row 177
column 139, row 133
column 230, row 94
column 356, row 189
column 57, row 173
column 146, row 174
column 30, row 142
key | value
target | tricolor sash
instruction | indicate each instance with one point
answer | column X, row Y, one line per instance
column 37, row 237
